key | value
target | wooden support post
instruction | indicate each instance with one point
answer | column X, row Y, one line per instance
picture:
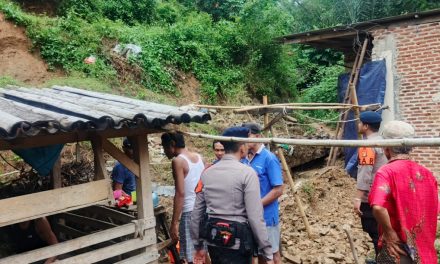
column 296, row 196
column 143, row 182
column 120, row 156
column 266, row 115
column 100, row 170
column 56, row 179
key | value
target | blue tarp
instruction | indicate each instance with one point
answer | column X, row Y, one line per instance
column 41, row 159
column 370, row 90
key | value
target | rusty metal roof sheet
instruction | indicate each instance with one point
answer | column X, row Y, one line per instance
column 27, row 112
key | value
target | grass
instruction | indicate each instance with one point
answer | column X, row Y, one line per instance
column 8, row 80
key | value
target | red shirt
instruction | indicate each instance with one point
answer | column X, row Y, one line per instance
column 409, row 192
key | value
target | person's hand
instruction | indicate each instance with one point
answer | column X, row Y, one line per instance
column 199, row 257
column 269, row 261
column 357, row 206
column 174, row 232
column 392, row 242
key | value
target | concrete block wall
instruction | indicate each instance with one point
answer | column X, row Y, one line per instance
column 416, row 70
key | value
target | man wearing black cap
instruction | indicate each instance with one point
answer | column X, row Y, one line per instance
column 268, row 169
column 231, row 198
column 370, row 160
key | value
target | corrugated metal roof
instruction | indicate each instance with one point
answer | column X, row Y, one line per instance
column 32, row 111
column 341, row 37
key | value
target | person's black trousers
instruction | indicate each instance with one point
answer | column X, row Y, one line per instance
column 369, row 224
column 228, row 256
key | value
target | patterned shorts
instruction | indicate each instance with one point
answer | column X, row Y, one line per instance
column 186, row 244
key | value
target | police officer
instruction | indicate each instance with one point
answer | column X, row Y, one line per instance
column 228, row 212
column 370, row 160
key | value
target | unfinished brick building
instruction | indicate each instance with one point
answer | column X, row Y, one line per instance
column 410, row 45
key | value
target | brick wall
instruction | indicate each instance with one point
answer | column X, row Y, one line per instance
column 417, row 72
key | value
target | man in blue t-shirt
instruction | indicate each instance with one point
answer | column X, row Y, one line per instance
column 268, row 168
column 124, row 179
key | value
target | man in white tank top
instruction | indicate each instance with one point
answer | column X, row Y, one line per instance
column 187, row 167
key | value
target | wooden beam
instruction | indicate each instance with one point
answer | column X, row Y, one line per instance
column 71, row 137
column 146, row 257
column 115, row 250
column 84, row 220
column 143, row 182
column 56, row 177
column 74, row 244
column 273, row 121
column 323, row 36
column 35, row 205
column 109, row 212
column 120, row 156
column 61, row 228
column 266, row 115
column 99, row 162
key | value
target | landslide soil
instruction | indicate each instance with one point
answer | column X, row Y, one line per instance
column 16, row 59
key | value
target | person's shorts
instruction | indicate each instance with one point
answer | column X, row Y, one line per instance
column 274, row 238
column 185, row 241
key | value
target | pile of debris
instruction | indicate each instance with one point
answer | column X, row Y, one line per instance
column 327, row 197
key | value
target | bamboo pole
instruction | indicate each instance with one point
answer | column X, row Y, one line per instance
column 405, row 142
column 344, row 116
column 351, row 89
column 266, row 115
column 286, row 104
column 295, row 194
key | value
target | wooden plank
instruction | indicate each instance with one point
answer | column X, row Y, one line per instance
column 74, row 244
column 322, row 36
column 109, row 212
column 273, row 121
column 145, row 257
column 114, row 250
column 56, row 178
column 35, row 205
column 71, row 137
column 266, row 115
column 143, row 183
column 100, row 168
column 60, row 228
column 120, row 156
column 84, row 220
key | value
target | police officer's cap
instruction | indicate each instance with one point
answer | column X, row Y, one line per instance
column 236, row 131
column 370, row 117
column 254, row 128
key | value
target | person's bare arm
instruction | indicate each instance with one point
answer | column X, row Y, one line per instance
column 274, row 194
column 178, row 166
column 45, row 232
column 390, row 238
column 117, row 186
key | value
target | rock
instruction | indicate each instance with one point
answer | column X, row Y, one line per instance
column 336, row 257
column 292, row 259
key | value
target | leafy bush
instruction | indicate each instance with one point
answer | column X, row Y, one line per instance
column 129, row 11
column 323, row 91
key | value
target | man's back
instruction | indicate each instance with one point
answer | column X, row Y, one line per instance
column 224, row 186
column 409, row 192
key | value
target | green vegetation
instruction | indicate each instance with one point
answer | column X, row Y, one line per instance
column 227, row 45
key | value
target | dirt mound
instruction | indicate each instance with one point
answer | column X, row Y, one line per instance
column 327, row 197
column 16, row 59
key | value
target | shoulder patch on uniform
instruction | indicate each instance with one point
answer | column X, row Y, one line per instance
column 367, row 156
column 199, row 187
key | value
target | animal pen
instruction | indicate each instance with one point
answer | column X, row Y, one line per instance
column 37, row 118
